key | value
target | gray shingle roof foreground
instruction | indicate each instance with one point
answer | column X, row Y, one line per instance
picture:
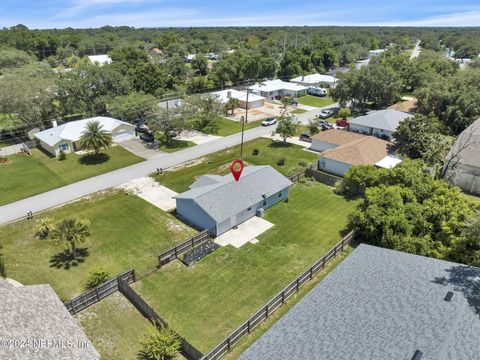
column 381, row 304
column 34, row 324
column 222, row 197
column 387, row 119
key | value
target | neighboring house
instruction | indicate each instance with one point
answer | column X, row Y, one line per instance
column 66, row 137
column 155, row 52
column 340, row 150
column 462, row 164
column 374, row 53
column 276, row 89
column 219, row 203
column 381, row 123
column 254, row 101
column 381, row 304
column 315, row 80
column 190, row 57
column 100, row 60
column 39, row 326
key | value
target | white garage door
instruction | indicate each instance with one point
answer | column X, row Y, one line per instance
column 122, row 135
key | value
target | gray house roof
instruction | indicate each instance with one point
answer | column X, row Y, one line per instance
column 222, row 197
column 381, row 304
column 466, row 149
column 35, row 316
column 387, row 119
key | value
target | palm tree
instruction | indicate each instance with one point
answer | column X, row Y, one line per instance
column 95, row 138
column 43, row 227
column 71, row 232
column 232, row 104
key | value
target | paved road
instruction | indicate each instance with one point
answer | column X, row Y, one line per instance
column 47, row 200
column 416, row 51
column 304, row 118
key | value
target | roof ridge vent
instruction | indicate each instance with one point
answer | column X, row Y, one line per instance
column 417, row 355
column 449, row 296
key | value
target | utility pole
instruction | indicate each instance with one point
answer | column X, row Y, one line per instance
column 244, row 120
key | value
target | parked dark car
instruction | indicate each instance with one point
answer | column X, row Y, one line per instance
column 305, row 137
column 142, row 129
column 147, row 137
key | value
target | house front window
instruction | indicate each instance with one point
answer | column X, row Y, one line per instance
column 280, row 194
column 63, row 147
column 264, row 202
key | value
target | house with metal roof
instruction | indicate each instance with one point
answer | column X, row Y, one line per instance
column 462, row 164
column 381, row 123
column 219, row 203
column 66, row 137
column 36, row 325
column 276, row 89
column 381, row 304
column 254, row 101
column 315, row 80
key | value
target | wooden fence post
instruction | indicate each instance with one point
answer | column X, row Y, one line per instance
column 266, row 311
column 228, row 343
column 248, row 326
column 96, row 292
column 311, row 272
column 298, row 283
column 283, row 296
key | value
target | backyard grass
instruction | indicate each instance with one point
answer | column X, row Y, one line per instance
column 30, row 175
column 209, row 299
column 315, row 101
column 125, row 232
column 114, row 327
column 217, row 163
column 228, row 127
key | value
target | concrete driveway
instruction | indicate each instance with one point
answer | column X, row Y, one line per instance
column 151, row 191
column 244, row 233
column 140, row 148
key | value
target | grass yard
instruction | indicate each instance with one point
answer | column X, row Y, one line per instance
column 176, row 145
column 315, row 101
column 115, row 327
column 126, row 232
column 218, row 163
column 30, row 175
column 209, row 299
column 228, row 127
column 299, row 111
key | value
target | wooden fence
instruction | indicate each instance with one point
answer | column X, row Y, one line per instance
column 266, row 310
column 187, row 349
column 301, row 174
column 94, row 295
column 184, row 246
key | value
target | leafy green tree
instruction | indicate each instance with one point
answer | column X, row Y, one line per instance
column 97, row 276
column 128, row 55
column 160, row 344
column 199, row 84
column 131, row 107
column 169, row 122
column 147, row 78
column 286, row 100
column 70, row 232
column 205, row 111
column 200, row 65
column 344, row 113
column 95, row 137
column 313, row 127
column 12, row 58
column 467, row 250
column 287, row 126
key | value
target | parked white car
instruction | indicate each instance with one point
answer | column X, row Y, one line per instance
column 269, row 121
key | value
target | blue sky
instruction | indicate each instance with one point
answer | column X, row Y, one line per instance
column 164, row 13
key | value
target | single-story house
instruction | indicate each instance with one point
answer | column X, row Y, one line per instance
column 376, row 52
column 100, row 60
column 462, row 164
column 39, row 326
column 219, row 203
column 155, row 52
column 381, row 304
column 275, row 89
column 254, row 101
column 66, row 137
column 340, row 150
column 315, row 80
column 381, row 123
column 190, row 57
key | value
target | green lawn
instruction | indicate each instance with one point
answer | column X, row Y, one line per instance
column 218, row 163
column 208, row 300
column 176, row 145
column 126, row 232
column 315, row 101
column 299, row 111
column 115, row 327
column 228, row 127
column 30, row 175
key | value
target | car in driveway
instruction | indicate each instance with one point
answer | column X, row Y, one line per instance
column 269, row 121
column 326, row 113
column 325, row 125
column 305, row 137
column 142, row 129
column 147, row 137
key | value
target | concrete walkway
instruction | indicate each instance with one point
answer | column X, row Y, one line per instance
column 18, row 210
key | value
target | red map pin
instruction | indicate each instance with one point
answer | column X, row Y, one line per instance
column 236, row 169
